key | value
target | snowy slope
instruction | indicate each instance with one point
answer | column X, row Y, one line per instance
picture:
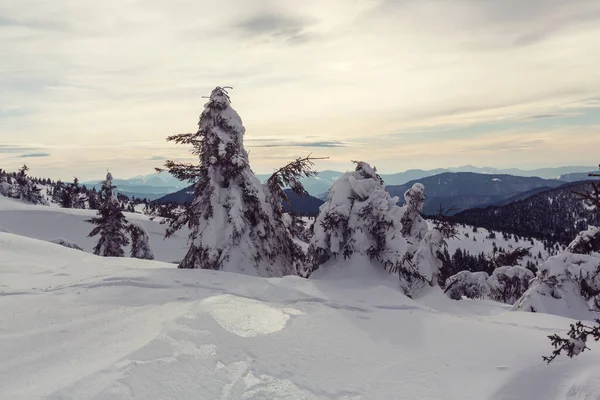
column 482, row 243
column 77, row 326
column 51, row 222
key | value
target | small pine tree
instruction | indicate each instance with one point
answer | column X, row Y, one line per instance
column 140, row 242
column 111, row 224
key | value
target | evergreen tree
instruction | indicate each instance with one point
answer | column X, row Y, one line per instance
column 360, row 218
column 77, row 194
column 66, row 196
column 140, row 242
column 414, row 226
column 26, row 189
column 111, row 224
column 235, row 222
column 93, row 200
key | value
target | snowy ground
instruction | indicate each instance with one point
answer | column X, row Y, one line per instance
column 51, row 222
column 77, row 326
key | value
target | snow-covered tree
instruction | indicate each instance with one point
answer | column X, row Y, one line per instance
column 422, row 262
column 587, row 242
column 140, row 242
column 472, row 285
column 26, row 189
column 359, row 217
column 414, row 227
column 507, row 284
column 567, row 284
column 111, row 224
column 235, row 221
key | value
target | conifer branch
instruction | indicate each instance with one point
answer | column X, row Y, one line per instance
column 290, row 175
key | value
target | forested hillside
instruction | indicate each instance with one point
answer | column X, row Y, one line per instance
column 555, row 215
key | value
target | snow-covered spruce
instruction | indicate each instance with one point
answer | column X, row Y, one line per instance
column 360, row 218
column 414, row 227
column 66, row 243
column 140, row 242
column 567, row 284
column 26, row 189
column 235, row 221
column 111, row 224
column 472, row 285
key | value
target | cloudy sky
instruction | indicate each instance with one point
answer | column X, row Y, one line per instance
column 88, row 85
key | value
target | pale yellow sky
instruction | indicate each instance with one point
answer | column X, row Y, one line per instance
column 89, row 85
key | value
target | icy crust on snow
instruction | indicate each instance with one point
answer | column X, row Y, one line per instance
column 77, row 326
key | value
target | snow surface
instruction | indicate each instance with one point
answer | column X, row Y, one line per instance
column 77, row 326
column 48, row 223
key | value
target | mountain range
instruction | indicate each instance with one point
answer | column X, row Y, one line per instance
column 464, row 190
column 157, row 185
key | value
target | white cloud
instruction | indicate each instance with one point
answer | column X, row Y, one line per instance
column 92, row 74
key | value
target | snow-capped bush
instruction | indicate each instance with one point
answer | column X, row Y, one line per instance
column 66, row 243
column 472, row 285
column 235, row 221
column 140, row 242
column 567, row 284
column 5, row 189
column 359, row 218
column 507, row 284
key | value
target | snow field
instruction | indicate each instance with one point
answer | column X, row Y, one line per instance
column 77, row 326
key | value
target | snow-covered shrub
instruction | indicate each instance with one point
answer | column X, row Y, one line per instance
column 507, row 284
column 140, row 242
column 472, row 285
column 359, row 218
column 5, row 189
column 235, row 221
column 567, row 284
column 3, row 230
column 111, row 224
column 66, row 243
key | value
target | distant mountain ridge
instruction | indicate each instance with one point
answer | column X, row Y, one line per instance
column 464, row 190
column 156, row 185
column 304, row 205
